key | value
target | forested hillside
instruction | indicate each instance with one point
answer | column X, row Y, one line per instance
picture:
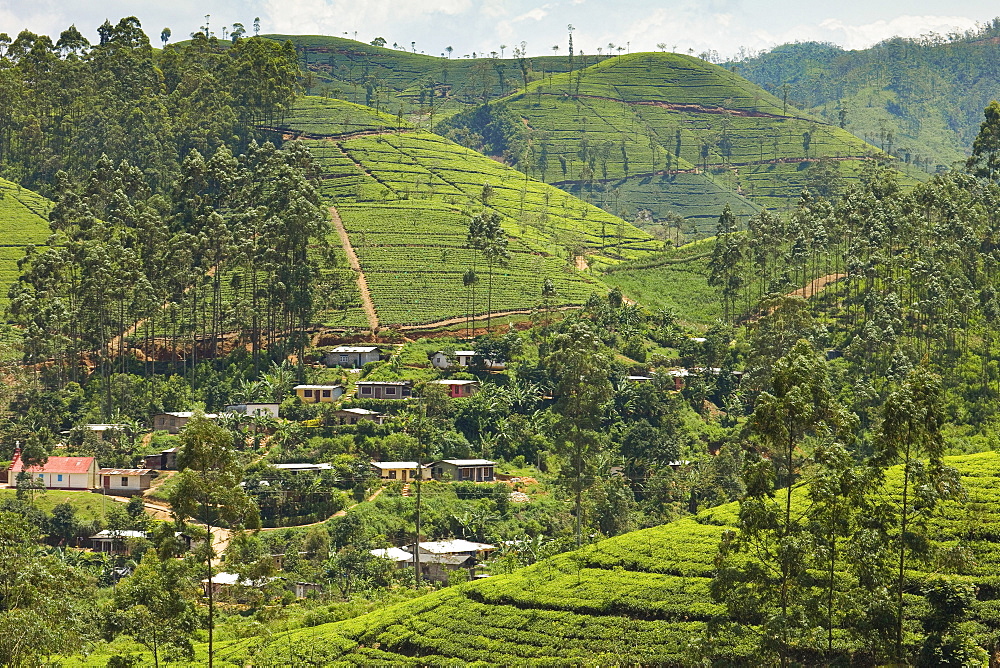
column 919, row 99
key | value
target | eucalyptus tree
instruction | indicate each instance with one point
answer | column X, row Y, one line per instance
column 487, row 236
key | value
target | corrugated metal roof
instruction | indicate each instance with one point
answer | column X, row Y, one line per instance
column 125, row 471
column 469, row 462
column 57, row 465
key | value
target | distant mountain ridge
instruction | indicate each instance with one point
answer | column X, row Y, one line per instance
column 920, row 99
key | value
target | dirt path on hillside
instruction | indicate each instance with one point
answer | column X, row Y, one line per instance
column 220, row 536
column 816, row 285
column 352, row 259
column 481, row 317
column 339, row 513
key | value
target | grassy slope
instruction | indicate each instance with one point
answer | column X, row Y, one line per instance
column 637, row 598
column 657, row 104
column 405, row 198
column 23, row 222
column 88, row 506
column 930, row 96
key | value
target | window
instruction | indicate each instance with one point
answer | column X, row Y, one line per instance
column 41, row 476
column 390, row 390
column 59, row 478
column 392, row 475
column 366, row 389
column 326, row 394
column 124, row 481
column 343, row 358
column 308, row 393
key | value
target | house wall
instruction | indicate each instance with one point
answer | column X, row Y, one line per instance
column 473, row 473
column 319, row 396
column 66, row 480
column 169, row 423
column 136, row 484
column 383, row 391
column 353, row 360
column 404, row 475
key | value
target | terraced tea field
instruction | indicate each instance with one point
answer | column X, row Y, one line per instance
column 23, row 222
column 405, row 198
column 626, row 120
column 640, row 598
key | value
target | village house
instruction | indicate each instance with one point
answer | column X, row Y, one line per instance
column 303, row 589
column 114, row 541
column 316, row 394
column 404, row 471
column 126, row 482
column 444, row 359
column 173, row 422
column 383, row 389
column 254, row 409
column 678, row 376
column 399, row 557
column 439, row 559
column 476, row 470
column 165, row 460
column 356, row 415
column 303, row 468
column 458, row 388
column 58, row 472
column 224, row 583
column 638, row 379
column 352, row 356
column 104, row 431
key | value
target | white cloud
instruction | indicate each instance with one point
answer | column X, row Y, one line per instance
column 536, row 14
column 864, row 35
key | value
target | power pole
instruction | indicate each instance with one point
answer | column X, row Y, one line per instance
column 420, row 478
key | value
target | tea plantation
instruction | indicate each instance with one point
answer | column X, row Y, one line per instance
column 405, row 197
column 640, row 598
column 23, row 223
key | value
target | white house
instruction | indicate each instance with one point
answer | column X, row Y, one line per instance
column 126, row 482
column 316, row 394
column 352, row 356
column 58, row 472
column 442, row 359
column 404, row 471
column 254, row 409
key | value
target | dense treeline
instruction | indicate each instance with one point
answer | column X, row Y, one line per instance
column 64, row 104
column 919, row 99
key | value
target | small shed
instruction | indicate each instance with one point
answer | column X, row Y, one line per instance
column 404, row 471
column 458, row 388
column 174, row 421
column 303, row 468
column 316, row 394
column 356, row 415
column 476, row 470
column 303, row 589
column 126, row 482
column 399, row 557
column 104, row 431
column 384, row 389
column 638, row 379
column 223, row 582
column 254, row 409
column 351, row 356
column 165, row 460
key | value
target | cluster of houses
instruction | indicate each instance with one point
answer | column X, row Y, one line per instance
column 437, row 560
column 471, row 470
column 79, row 473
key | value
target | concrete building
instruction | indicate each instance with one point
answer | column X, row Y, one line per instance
column 319, row 394
column 353, row 357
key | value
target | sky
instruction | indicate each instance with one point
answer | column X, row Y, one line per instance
column 484, row 26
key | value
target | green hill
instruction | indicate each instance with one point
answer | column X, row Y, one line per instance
column 641, row 598
column 23, row 222
column 920, row 99
column 670, row 133
column 405, row 197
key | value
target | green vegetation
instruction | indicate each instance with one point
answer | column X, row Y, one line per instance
column 909, row 97
column 406, row 199
column 643, row 596
column 23, row 222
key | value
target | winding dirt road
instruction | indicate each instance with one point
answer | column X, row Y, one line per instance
column 352, row 260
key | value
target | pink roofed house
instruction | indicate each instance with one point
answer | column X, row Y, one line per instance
column 58, row 472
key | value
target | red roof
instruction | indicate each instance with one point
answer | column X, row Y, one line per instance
column 57, row 465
